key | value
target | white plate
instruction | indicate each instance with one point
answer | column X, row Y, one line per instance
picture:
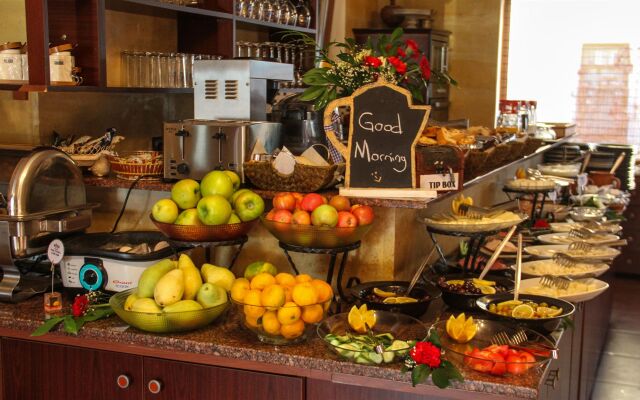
column 563, row 238
column 564, row 226
column 548, row 250
column 466, row 225
column 601, row 286
column 532, row 268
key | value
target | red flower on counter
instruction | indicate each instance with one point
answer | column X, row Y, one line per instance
column 426, row 353
column 401, row 53
column 80, row 305
column 412, row 48
column 398, row 64
column 372, row 61
column 425, row 67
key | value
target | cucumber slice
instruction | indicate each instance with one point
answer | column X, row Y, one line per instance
column 363, row 360
column 388, row 356
column 375, row 357
column 385, row 337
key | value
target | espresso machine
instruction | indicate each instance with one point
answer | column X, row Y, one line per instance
column 230, row 116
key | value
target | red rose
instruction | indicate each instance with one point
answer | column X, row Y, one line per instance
column 372, row 61
column 400, row 53
column 398, row 64
column 426, row 353
column 412, row 48
column 80, row 305
column 425, row 67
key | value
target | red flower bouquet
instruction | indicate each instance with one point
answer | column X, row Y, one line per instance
column 425, row 359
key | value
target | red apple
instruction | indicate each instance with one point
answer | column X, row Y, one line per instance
column 340, row 203
column 311, row 201
column 346, row 220
column 363, row 213
column 301, row 217
column 284, row 201
column 298, row 197
column 269, row 216
column 283, row 216
column 324, row 215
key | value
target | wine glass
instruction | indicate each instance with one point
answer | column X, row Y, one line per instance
column 241, row 7
column 303, row 14
column 288, row 14
column 269, row 13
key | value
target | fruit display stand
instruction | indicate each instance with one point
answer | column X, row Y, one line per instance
column 209, row 246
column 534, row 202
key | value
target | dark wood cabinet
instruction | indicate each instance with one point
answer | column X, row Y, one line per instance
column 179, row 380
column 46, row 371
column 435, row 43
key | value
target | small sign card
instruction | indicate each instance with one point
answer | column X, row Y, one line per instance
column 384, row 129
column 440, row 182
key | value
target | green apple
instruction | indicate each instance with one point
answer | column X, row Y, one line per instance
column 165, row 210
column 186, row 193
column 234, row 219
column 214, row 210
column 257, row 267
column 249, row 206
column 216, row 182
column 188, row 217
column 237, row 194
column 324, row 215
column 211, row 295
column 235, row 179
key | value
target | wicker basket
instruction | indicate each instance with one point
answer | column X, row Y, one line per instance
column 531, row 145
column 474, row 163
column 126, row 165
column 305, row 178
column 515, row 150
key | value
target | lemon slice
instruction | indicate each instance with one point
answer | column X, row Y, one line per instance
column 548, row 312
column 482, row 282
column 487, row 289
column 522, row 311
column 358, row 317
column 399, row 300
column 509, row 303
column 382, row 293
column 455, row 282
column 461, row 329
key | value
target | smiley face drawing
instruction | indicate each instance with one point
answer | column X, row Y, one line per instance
column 376, row 177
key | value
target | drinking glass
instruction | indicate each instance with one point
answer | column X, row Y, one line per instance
column 255, row 9
column 303, row 14
column 287, row 13
column 241, row 8
column 269, row 14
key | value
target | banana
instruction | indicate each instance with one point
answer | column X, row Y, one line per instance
column 192, row 278
column 152, row 275
column 169, row 288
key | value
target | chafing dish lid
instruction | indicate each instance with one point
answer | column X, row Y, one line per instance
column 46, row 180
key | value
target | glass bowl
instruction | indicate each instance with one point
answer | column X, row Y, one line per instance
column 545, row 325
column 165, row 322
column 401, row 326
column 203, row 233
column 270, row 332
column 315, row 236
column 462, row 356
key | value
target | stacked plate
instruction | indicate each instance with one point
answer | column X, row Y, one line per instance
column 565, row 153
column 625, row 171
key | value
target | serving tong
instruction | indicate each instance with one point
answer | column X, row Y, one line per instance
column 476, row 212
column 589, row 248
column 583, row 234
column 561, row 282
column 536, row 175
column 568, row 261
column 516, row 340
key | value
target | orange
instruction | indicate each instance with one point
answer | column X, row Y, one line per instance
column 270, row 323
column 239, row 289
column 252, row 322
column 288, row 290
column 289, row 313
column 303, row 278
column 358, row 317
column 272, row 297
column 293, row 330
column 312, row 314
column 304, row 294
column 262, row 280
column 325, row 292
column 252, row 304
column 285, row 279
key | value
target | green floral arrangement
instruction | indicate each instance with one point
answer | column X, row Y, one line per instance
column 400, row 62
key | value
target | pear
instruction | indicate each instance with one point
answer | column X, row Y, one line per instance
column 145, row 306
column 218, row 276
column 192, row 279
column 211, row 295
column 152, row 275
column 169, row 288
column 182, row 306
column 128, row 303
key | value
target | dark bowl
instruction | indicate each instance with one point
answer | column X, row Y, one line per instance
column 543, row 325
column 462, row 301
column 419, row 291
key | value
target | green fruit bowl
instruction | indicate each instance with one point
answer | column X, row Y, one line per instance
column 322, row 237
column 204, row 233
column 165, row 322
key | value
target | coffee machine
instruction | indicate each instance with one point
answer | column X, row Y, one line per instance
column 230, row 116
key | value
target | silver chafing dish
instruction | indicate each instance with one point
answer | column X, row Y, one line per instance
column 46, row 199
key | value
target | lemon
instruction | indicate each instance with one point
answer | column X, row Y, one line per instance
column 482, row 282
column 522, row 311
column 382, row 293
column 487, row 289
column 455, row 282
column 509, row 303
column 399, row 300
column 548, row 312
column 358, row 317
column 461, row 329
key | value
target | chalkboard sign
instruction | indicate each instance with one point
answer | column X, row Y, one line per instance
column 384, row 129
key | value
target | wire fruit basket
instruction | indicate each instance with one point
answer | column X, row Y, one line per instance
column 136, row 164
column 204, row 233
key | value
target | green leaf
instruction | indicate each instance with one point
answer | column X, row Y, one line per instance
column 47, row 326
column 397, row 34
column 97, row 314
column 440, row 378
column 419, row 374
column 434, row 338
column 452, row 371
column 312, row 93
column 70, row 325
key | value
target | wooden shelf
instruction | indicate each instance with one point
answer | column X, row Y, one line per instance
column 12, row 86
column 181, row 9
column 94, row 89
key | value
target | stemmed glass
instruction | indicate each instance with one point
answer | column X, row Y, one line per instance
column 303, row 14
column 241, row 8
column 288, row 13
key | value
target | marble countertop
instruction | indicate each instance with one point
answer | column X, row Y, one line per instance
column 227, row 339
